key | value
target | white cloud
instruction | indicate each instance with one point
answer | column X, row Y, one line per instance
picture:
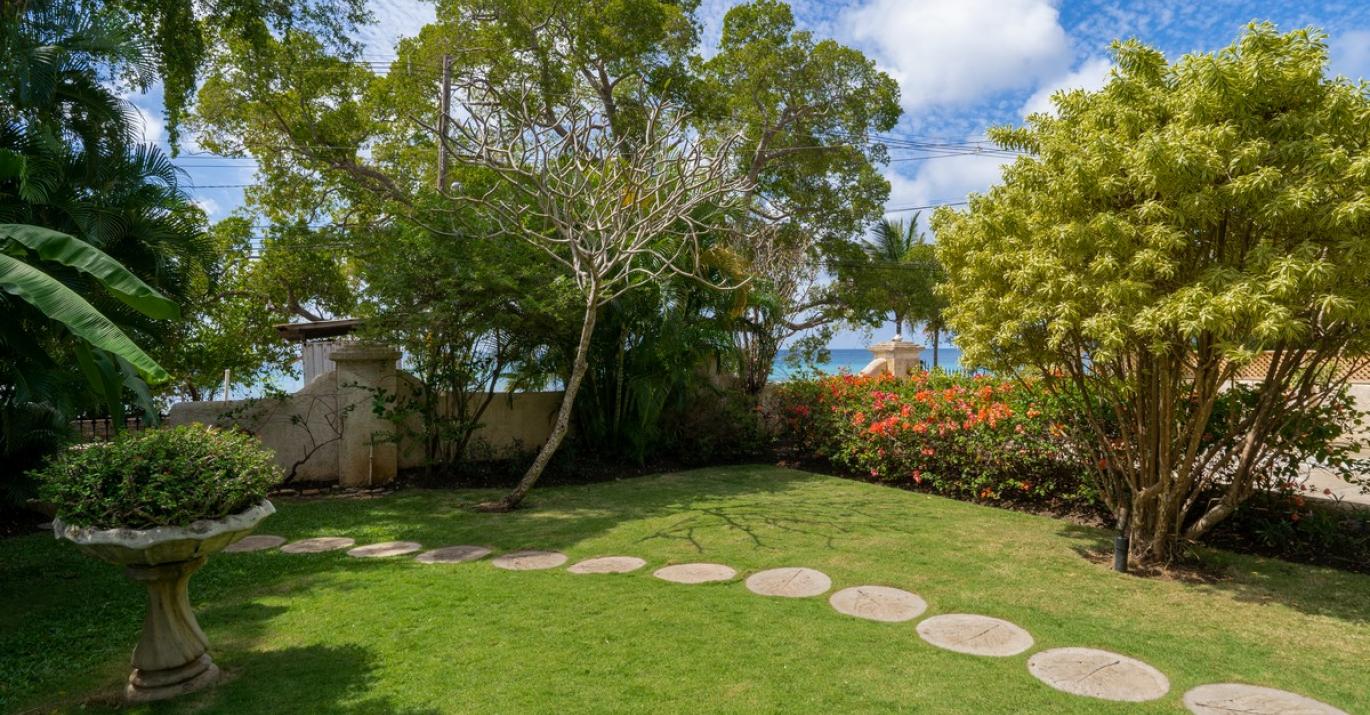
column 209, row 206
column 954, row 52
column 1351, row 54
column 1091, row 75
column 944, row 180
column 152, row 127
column 394, row 19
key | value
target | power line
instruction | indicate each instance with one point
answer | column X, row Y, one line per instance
column 929, row 206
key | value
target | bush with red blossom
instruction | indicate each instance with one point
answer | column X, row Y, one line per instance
column 977, row 437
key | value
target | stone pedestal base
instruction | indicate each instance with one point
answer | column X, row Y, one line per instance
column 172, row 656
column 900, row 357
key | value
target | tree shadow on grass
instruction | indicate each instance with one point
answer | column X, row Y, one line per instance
column 1315, row 590
column 559, row 517
column 826, row 523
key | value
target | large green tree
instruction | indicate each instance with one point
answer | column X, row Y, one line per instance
column 608, row 97
column 1163, row 232
column 813, row 106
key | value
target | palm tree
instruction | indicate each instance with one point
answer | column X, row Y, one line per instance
column 889, row 250
column 94, row 233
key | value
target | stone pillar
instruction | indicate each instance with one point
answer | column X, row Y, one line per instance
column 900, row 356
column 365, row 457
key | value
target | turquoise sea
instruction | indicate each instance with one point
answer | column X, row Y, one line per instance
column 850, row 360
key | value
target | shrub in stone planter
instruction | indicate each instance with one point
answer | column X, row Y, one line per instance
column 159, row 504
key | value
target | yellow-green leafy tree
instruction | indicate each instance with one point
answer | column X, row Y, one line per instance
column 1162, row 233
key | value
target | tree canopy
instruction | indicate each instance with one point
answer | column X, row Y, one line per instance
column 1163, row 232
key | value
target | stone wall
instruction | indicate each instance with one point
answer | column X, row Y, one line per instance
column 316, row 441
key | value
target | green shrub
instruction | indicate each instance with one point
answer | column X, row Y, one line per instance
column 977, row 437
column 168, row 477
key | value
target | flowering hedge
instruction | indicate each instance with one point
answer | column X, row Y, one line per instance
column 972, row 437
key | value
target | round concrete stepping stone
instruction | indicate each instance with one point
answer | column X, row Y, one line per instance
column 318, row 544
column 976, row 635
column 453, row 555
column 695, row 573
column 608, row 564
column 255, row 542
column 1098, row 674
column 529, row 560
column 384, row 549
column 1227, row 698
column 878, row 603
column 790, row 582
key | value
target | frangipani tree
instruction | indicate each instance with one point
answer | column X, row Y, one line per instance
column 1164, row 232
column 616, row 211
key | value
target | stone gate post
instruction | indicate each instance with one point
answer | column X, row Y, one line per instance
column 365, row 457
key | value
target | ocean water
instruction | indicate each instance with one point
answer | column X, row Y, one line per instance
column 852, row 360
column 840, row 360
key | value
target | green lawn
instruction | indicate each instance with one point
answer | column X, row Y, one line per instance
column 327, row 633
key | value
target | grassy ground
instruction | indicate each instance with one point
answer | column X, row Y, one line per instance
column 326, row 633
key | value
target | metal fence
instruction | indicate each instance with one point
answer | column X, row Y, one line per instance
column 102, row 429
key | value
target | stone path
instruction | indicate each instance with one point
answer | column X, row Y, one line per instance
column 318, row 545
column 608, row 564
column 1098, row 674
column 975, row 635
column 695, row 573
column 529, row 560
column 1079, row 671
column 1228, row 698
column 878, row 603
column 792, row 582
column 385, row 549
column 453, row 555
column 256, row 542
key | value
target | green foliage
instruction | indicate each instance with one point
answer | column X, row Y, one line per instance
column 63, row 305
column 165, row 477
column 179, row 35
column 896, row 271
column 470, row 315
column 648, row 363
column 251, row 287
column 968, row 437
column 99, row 243
column 810, row 107
column 1163, row 232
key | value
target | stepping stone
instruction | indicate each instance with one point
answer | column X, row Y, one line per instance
column 695, row 573
column 1098, row 674
column 975, row 635
column 1226, row 698
column 790, row 582
column 529, row 560
column 318, row 545
column 878, row 603
column 256, row 542
column 453, row 555
column 384, row 549
column 609, row 564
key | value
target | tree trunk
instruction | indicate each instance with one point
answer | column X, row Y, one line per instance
column 563, row 421
column 760, row 362
column 936, row 340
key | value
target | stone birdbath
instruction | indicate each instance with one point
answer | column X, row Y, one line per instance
column 172, row 657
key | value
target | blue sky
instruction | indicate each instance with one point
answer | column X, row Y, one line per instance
column 962, row 66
